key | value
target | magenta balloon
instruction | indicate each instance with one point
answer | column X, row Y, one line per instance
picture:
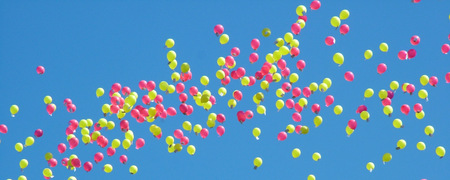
column 183, row 108
column 297, row 117
column 306, row 92
column 410, row 88
column 50, row 109
column 37, row 133
column 259, row 75
column 269, row 78
column 381, row 68
column 386, row 101
column 159, row 108
column 352, row 124
column 171, row 111
column 304, row 17
column 218, row 29
column 315, row 5
column 301, row 65
column 87, row 166
column 329, row 100
column 184, row 140
column 3, row 129
column 329, row 40
column 433, row 81
column 255, row 44
column 237, row 95
column 159, row 136
column 295, row 28
column 405, row 109
column 349, row 76
column 111, row 92
column 64, row 161
column 411, row 53
column 73, row 142
column 249, row 114
column 298, row 128
column 124, row 125
column 142, row 84
column 220, row 130
column 417, row 1
column 252, row 80
column 253, row 57
column 98, row 157
column 418, row 107
column 61, row 148
column 178, row 133
column 390, row 94
column 69, row 131
column 123, row 159
column 204, row 133
column 281, row 64
column 52, row 162
column 282, row 136
column 402, row 55
column 296, row 92
column 193, row 91
column 315, row 108
column 235, row 52
column 415, row 40
column 234, row 75
column 116, row 87
column 447, row 77
column 286, row 87
column 151, row 85
column 140, row 119
column 361, row 108
column 295, row 51
column 229, row 61
column 135, row 113
column 179, row 87
column 445, row 48
column 71, row 108
column 75, row 162
column 140, row 143
column 344, row 29
column 67, row 101
column 114, row 100
column 290, row 103
column 40, row 70
column 73, row 124
column 126, row 90
column 285, row 72
column 146, row 100
column 240, row 72
column 158, row 99
column 190, row 109
column 298, row 108
column 226, row 71
column 241, row 116
column 220, row 118
column 144, row 112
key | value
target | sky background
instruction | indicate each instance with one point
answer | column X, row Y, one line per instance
column 85, row 45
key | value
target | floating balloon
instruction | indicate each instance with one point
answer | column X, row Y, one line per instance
column 344, row 14
column 440, row 151
column 384, row 47
column 296, row 153
column 445, row 48
column 266, row 32
column 218, row 29
column 282, row 136
column 257, row 162
column 329, row 40
column 381, row 68
column 402, row 55
column 415, row 40
column 315, row 5
column 349, row 76
column 224, row 38
column 370, row 166
column 40, row 70
column 335, row 21
column 14, row 109
column 368, row 54
column 338, row 58
column 344, row 29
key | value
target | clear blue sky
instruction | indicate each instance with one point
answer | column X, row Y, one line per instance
column 85, row 45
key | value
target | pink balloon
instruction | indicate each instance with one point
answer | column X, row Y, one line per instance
column 234, row 75
column 135, row 113
column 184, row 140
column 76, row 162
column 158, row 99
column 124, row 125
column 447, row 77
column 87, row 166
column 67, row 101
column 204, row 133
column 179, row 87
column 116, row 87
column 298, row 128
column 301, row 65
column 98, row 157
column 123, row 159
column 237, row 95
column 110, row 151
column 193, row 91
column 218, row 29
column 305, row 18
column 296, row 92
column 381, row 68
column 140, row 119
column 3, row 129
column 220, row 118
column 285, row 72
column 248, row 114
column 349, row 76
column 415, row 40
column 146, row 100
column 445, row 48
column 361, row 108
column 344, row 29
column 402, row 55
column 73, row 142
column 235, row 51
column 61, row 148
column 143, row 84
column 306, row 92
column 183, row 108
column 411, row 53
column 386, row 101
column 298, row 108
column 73, row 124
column 433, row 81
column 405, row 109
column 212, row 99
column 315, row 108
column 295, row 52
column 225, row 80
column 410, row 88
column 140, row 143
column 252, row 80
column 38, row 133
column 418, row 107
column 126, row 90
column 64, row 161
column 52, row 162
column 190, row 109
column 171, row 111
column 241, row 116
column 229, row 61
column 259, row 75
column 295, row 28
column 352, row 124
column 281, row 64
column 329, row 100
column 290, row 103
column 40, row 70
column 151, row 85
column 286, row 87
column 282, row 136
column 240, row 72
column 315, row 5
column 269, row 78
column 183, row 97
column 297, row 117
column 69, row 131
column 159, row 136
column 178, row 134
column 220, row 130
column 144, row 112
column 71, row 108
column 255, row 44
column 417, row 1
column 253, row 57
column 329, row 40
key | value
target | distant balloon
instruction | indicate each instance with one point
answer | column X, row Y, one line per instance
column 402, row 55
column 40, row 70
column 329, row 40
column 315, row 5
column 349, row 76
column 218, row 29
column 415, row 40
column 381, row 68
column 344, row 29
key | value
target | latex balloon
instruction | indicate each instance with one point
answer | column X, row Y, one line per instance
column 256, row 132
column 368, row 93
column 107, row 168
column 352, row 124
column 368, row 54
column 169, row 43
column 384, row 47
column 349, row 76
column 412, row 53
column 220, row 130
column 401, row 144
column 397, row 123
column 415, row 40
column 14, row 109
column 318, row 121
column 218, row 29
column 402, row 55
column 224, row 38
column 381, row 68
column 266, row 32
column 296, row 153
column 311, row 177
column 344, row 14
column 255, row 44
column 433, row 81
column 344, row 29
column 282, row 136
column 338, row 58
column 447, row 77
column 23, row 164
column 421, row 146
column 315, row 5
column 370, row 166
column 329, row 40
column 445, row 48
column 191, row 150
column 257, row 162
column 338, row 109
column 440, row 151
column 387, row 157
column 429, row 130
column 40, row 70
column 3, row 129
column 47, row 172
column 335, row 21
column 316, row 156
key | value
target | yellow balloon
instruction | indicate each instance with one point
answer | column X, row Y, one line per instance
column 421, row 146
column 257, row 162
column 191, row 150
column 170, row 43
column 338, row 109
column 316, row 156
column 338, row 58
column 335, row 21
column 301, row 10
column 266, row 32
column 296, row 153
column 14, row 110
column 107, row 168
column 368, row 54
column 256, row 132
column 440, row 151
column 224, row 38
column 344, row 14
column 384, row 47
column 370, row 166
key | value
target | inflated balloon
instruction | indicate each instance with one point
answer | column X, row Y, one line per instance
column 218, row 29
column 335, row 21
column 317, row 121
column 329, row 40
column 296, row 153
column 338, row 109
column 344, row 29
column 282, row 136
column 224, row 38
column 387, row 157
column 316, row 156
column 349, row 76
column 370, row 166
column 107, row 168
column 445, row 48
column 447, row 77
column 257, row 162
column 429, row 130
column 338, row 58
column 412, row 53
column 440, row 151
column 368, row 93
column 384, row 47
column 315, row 5
column 344, row 14
column 47, row 172
column 23, row 164
column 266, row 32
column 388, row 110
column 415, row 40
column 40, row 70
column 433, row 81
column 401, row 144
column 352, row 124
column 402, row 55
column 421, row 146
column 29, row 141
column 3, row 129
column 169, row 43
column 311, row 177
column 381, row 68
column 368, row 54
column 220, row 130
column 14, row 109
column 397, row 123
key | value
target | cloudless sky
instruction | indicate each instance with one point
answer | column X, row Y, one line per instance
column 89, row 44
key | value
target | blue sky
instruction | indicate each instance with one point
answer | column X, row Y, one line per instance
column 85, row 45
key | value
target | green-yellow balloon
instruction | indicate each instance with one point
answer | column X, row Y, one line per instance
column 210, row 123
column 222, row 91
column 421, row 146
column 440, row 151
column 48, row 156
column 394, row 85
column 338, row 58
column 316, row 156
column 72, row 178
column 302, row 23
column 170, row 43
column 338, row 109
column 276, row 77
column 424, row 80
column 110, row 125
column 349, row 131
column 288, row 37
column 423, row 94
column 170, row 140
column 224, row 38
column 221, row 61
column 245, row 81
column 276, row 56
column 82, row 123
column 279, row 93
column 257, row 162
column 185, row 67
column 220, row 74
column 429, row 130
column 102, row 122
column 191, row 150
column 384, row 47
column 382, row 94
column 328, row 82
column 47, row 172
column 397, row 123
column 23, row 163
column 163, row 86
column 304, row 130
column 86, row 139
column 256, row 132
column 401, row 144
column 173, row 64
column 133, row 169
column 22, row 177
column 387, row 157
column 171, row 55
column 187, row 126
column 284, row 50
column 197, row 128
column 313, row 86
column 295, row 42
column 368, row 93
column 301, row 10
column 365, row 115
column 420, row 115
column 232, row 103
column 264, row 85
column 99, row 92
column 129, row 135
column 126, row 144
column 296, row 153
column 14, row 110
column 266, row 32
column 368, row 54
column 279, row 104
column 115, row 143
column 323, row 87
column 335, row 21
column 107, row 168
column 318, row 121
column 29, row 141
column 261, row 109
column 290, row 128
column 178, row 147
column 47, row 99
column 279, row 42
column 344, row 14
column 388, row 110
column 311, row 177
column 204, row 80
column 370, row 166
column 303, row 102
column 105, row 109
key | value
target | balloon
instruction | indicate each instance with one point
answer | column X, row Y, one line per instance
column 266, row 32
column 23, row 164
column 169, row 43
column 282, row 136
column 402, row 55
column 365, row 116
column 405, row 109
column 224, row 38
column 429, row 130
column 218, row 29
column 433, row 81
column 329, row 40
column 397, row 123
column 71, row 108
column 257, row 162
column 423, row 94
column 335, row 21
column 338, row 109
column 51, row 108
column 384, row 47
column 220, row 130
column 344, row 29
column 204, row 133
column 296, row 153
column 40, row 70
column 294, row 52
column 440, row 151
column 388, row 110
column 316, row 156
column 47, row 172
column 256, row 132
column 344, row 14
column 338, row 58
column 368, row 93
column 411, row 53
column 52, row 162
column 415, row 40
column 3, row 129
column 368, row 54
column 107, row 168
column 191, row 150
column 235, row 51
column 401, row 144
column 315, row 108
column 445, row 48
column 317, row 121
column 352, row 124
column 349, row 131
column 387, row 157
column 370, row 166
column 295, row 28
column 14, row 110
column 315, row 5
column 29, row 141
column 410, row 88
column 304, row 130
column 381, row 68
column 447, row 77
column 18, row 147
column 279, row 104
column 417, row 107
column 311, row 177
column 421, row 146
column 349, row 76
column 140, row 143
